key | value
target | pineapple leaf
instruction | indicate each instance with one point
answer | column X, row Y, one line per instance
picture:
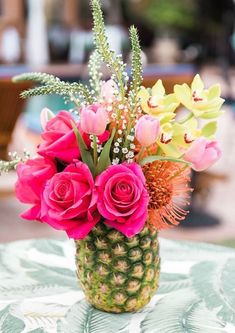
column 83, row 318
column 181, row 312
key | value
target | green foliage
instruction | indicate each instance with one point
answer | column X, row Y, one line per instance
column 153, row 158
column 6, row 166
column 114, row 62
column 10, row 321
column 85, row 153
column 77, row 92
column 136, row 66
column 83, row 318
column 42, row 78
column 104, row 160
column 171, row 13
column 214, row 284
column 209, row 129
column 181, row 312
column 94, row 72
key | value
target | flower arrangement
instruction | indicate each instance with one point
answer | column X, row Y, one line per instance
column 115, row 170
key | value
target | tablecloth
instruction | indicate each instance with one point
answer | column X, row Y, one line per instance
column 39, row 292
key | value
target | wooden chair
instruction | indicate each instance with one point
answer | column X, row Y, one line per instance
column 168, row 81
column 11, row 106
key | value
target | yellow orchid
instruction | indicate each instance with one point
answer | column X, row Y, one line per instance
column 156, row 103
column 176, row 137
column 203, row 103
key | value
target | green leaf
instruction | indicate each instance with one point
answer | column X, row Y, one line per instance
column 55, row 276
column 47, row 247
column 38, row 330
column 214, row 283
column 210, row 115
column 172, row 282
column 104, row 160
column 181, row 312
column 209, row 129
column 153, row 158
column 85, row 153
column 10, row 321
column 83, row 318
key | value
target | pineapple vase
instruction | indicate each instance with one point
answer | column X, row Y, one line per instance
column 118, row 274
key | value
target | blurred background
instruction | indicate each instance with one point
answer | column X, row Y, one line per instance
column 179, row 38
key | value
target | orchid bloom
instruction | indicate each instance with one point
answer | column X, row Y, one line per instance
column 156, row 103
column 175, row 138
column 203, row 103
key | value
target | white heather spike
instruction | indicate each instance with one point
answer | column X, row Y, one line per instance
column 45, row 116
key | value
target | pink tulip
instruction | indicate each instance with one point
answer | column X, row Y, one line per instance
column 93, row 119
column 202, row 154
column 46, row 115
column 147, row 130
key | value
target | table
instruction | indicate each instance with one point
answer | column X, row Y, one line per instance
column 39, row 292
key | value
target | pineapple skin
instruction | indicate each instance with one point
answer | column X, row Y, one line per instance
column 118, row 274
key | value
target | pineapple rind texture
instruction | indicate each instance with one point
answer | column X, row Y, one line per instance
column 118, row 274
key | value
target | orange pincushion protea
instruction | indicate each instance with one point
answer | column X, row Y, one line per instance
column 169, row 192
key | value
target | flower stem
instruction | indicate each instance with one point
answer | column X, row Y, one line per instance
column 141, row 153
column 179, row 172
column 186, row 118
column 95, row 154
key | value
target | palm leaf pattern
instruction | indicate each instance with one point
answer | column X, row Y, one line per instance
column 39, row 292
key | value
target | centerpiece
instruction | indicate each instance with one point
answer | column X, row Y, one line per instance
column 115, row 170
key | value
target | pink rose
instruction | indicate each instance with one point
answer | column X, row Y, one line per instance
column 202, row 154
column 93, row 119
column 59, row 138
column 32, row 177
column 147, row 130
column 123, row 198
column 69, row 201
